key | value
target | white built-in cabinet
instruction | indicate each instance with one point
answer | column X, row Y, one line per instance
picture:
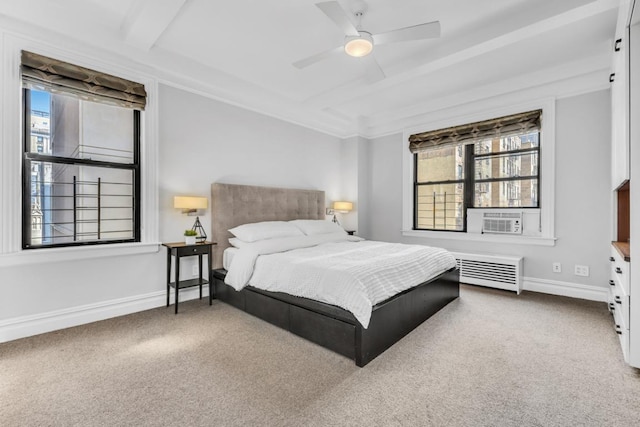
column 624, row 283
column 634, row 195
column 619, row 109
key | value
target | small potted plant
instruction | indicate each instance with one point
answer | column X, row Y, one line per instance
column 190, row 237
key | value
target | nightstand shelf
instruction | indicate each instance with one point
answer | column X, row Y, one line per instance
column 179, row 250
column 189, row 283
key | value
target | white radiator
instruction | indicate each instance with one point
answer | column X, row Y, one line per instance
column 495, row 271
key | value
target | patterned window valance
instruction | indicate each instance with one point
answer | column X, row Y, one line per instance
column 494, row 128
column 58, row 76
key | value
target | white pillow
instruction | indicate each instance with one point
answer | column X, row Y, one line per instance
column 237, row 243
column 265, row 230
column 311, row 227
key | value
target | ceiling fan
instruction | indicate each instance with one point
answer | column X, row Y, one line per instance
column 360, row 43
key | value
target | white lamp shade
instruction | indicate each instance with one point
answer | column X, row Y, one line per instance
column 190, row 202
column 342, row 206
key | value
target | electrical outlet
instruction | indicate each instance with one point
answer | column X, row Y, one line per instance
column 581, row 270
column 557, row 267
column 194, row 270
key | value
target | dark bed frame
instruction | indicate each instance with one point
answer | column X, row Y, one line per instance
column 327, row 325
column 337, row 329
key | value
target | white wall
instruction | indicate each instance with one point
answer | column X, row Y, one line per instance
column 349, row 182
column 582, row 205
column 354, row 176
column 364, row 187
column 203, row 141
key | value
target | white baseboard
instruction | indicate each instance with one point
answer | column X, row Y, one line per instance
column 567, row 289
column 26, row 326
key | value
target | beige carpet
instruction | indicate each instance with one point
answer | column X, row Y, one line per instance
column 490, row 358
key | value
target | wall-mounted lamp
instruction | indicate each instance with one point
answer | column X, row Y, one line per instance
column 342, row 207
column 190, row 206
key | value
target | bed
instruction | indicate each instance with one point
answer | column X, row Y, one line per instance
column 327, row 325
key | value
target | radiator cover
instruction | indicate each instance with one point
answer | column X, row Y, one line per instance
column 495, row 271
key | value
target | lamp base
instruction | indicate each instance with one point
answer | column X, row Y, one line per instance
column 197, row 226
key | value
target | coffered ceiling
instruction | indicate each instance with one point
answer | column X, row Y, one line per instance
column 241, row 51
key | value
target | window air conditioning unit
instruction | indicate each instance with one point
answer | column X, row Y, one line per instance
column 502, row 222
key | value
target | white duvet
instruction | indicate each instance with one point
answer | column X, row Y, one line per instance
column 337, row 269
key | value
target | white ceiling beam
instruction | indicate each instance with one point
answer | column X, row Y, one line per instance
column 148, row 20
column 473, row 47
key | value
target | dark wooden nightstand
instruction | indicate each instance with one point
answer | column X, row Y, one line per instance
column 350, row 232
column 179, row 250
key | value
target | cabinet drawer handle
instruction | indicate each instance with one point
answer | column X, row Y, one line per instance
column 612, row 259
column 618, row 300
column 618, row 330
column 616, row 47
column 612, row 77
column 612, row 283
column 618, row 270
column 612, row 306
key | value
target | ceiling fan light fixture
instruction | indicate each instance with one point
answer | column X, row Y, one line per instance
column 359, row 46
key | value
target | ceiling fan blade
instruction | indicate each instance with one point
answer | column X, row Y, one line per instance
column 303, row 63
column 337, row 14
column 374, row 72
column 430, row 30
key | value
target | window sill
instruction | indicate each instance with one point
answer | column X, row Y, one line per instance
column 488, row 238
column 41, row 256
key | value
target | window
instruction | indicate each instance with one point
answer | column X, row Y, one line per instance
column 491, row 164
column 506, row 172
column 440, row 188
column 81, row 163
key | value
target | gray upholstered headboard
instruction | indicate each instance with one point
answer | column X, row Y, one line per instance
column 233, row 205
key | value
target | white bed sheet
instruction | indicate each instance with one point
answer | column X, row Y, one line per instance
column 351, row 275
column 227, row 257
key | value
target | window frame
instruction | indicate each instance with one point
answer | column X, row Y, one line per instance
column 29, row 157
column 469, row 181
column 467, row 191
column 537, row 177
column 476, row 112
column 11, row 252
